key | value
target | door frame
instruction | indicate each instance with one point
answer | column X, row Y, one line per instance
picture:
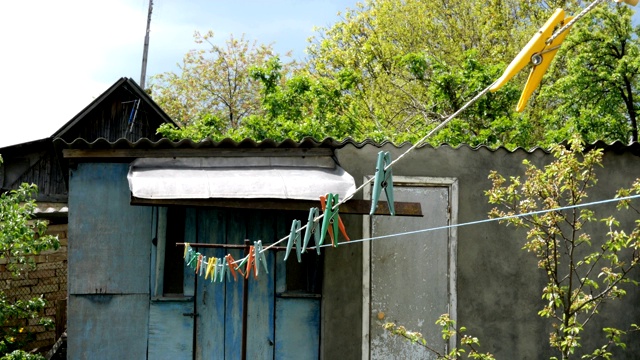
column 414, row 181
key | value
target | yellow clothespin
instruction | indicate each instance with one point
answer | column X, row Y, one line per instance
column 630, row 2
column 539, row 54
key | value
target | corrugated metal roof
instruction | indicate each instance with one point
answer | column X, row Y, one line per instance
column 102, row 144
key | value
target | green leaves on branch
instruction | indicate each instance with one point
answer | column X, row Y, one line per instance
column 21, row 237
column 449, row 330
column 581, row 272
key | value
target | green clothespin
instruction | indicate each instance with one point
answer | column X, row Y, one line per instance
column 191, row 263
column 313, row 227
column 294, row 237
column 330, row 218
column 259, row 256
column 383, row 180
column 222, row 271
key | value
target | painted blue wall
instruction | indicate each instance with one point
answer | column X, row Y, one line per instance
column 109, row 265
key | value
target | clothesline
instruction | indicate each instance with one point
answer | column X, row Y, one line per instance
column 423, row 139
column 219, row 276
column 443, row 123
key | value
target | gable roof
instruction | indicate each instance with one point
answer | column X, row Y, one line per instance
column 123, row 89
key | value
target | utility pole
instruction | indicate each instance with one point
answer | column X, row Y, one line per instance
column 145, row 51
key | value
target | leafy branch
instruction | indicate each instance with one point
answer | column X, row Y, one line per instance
column 449, row 330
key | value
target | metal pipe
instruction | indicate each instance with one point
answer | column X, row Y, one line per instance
column 245, row 305
column 228, row 246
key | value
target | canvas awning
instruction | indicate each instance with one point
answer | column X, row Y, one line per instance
column 294, row 178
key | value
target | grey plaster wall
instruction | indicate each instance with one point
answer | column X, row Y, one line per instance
column 499, row 285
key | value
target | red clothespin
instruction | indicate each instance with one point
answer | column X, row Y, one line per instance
column 323, row 203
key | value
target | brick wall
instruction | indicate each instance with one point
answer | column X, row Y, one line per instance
column 49, row 278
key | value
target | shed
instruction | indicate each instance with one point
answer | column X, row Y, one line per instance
column 131, row 295
column 124, row 110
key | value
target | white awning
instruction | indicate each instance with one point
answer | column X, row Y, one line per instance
column 294, row 178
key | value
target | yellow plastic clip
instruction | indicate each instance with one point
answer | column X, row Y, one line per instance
column 539, row 54
column 630, row 2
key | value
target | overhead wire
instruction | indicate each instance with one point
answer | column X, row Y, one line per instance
column 434, row 130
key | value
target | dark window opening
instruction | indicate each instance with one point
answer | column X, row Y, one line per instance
column 173, row 262
column 304, row 277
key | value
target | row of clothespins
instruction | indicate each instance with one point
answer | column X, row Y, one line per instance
column 330, row 205
column 219, row 268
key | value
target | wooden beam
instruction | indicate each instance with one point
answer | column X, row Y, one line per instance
column 113, row 154
column 352, row 206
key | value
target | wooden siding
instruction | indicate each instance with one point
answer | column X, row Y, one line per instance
column 107, row 326
column 47, row 174
column 111, row 119
column 170, row 331
column 109, row 240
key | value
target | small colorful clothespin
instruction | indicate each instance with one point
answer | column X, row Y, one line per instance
column 215, row 270
column 232, row 266
column 187, row 248
column 223, row 270
column 210, row 264
column 330, row 215
column 191, row 263
column 203, row 261
column 537, row 53
column 294, row 237
column 383, row 180
column 260, row 257
column 313, row 227
column 250, row 261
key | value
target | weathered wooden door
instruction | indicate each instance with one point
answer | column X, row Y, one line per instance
column 282, row 319
column 410, row 278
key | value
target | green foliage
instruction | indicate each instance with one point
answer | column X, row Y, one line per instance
column 449, row 331
column 213, row 82
column 21, row 237
column 396, row 69
column 22, row 355
column 581, row 273
column 597, row 77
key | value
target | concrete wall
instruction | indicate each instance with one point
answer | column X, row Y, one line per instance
column 498, row 284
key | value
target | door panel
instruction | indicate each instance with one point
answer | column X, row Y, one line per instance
column 219, row 306
column 410, row 274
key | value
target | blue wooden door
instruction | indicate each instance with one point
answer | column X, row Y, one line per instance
column 283, row 317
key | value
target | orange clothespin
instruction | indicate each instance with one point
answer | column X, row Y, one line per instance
column 323, row 203
column 629, row 2
column 250, row 263
column 198, row 263
column 539, row 54
column 232, row 266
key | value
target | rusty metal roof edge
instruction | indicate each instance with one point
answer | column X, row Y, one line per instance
column 308, row 142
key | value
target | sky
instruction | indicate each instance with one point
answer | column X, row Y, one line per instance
column 57, row 56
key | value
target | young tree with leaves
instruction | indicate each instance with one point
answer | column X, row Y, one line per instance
column 582, row 272
column 21, row 237
column 213, row 82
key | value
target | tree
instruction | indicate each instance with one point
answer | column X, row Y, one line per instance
column 20, row 237
column 597, row 88
column 582, row 273
column 213, row 83
column 418, row 61
column 292, row 107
